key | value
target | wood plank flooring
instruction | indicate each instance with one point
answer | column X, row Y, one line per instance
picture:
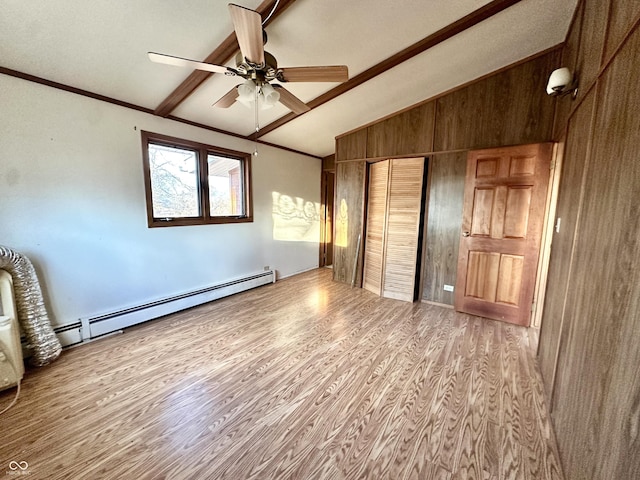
column 303, row 379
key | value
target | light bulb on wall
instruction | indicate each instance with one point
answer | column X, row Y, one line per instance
column 562, row 82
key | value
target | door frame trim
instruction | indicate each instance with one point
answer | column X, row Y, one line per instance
column 544, row 258
column 324, row 211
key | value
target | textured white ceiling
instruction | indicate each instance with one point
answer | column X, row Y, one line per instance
column 101, row 46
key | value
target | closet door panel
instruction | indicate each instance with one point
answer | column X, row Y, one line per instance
column 376, row 226
column 403, row 225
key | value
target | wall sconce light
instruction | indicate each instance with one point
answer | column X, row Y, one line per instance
column 562, row 82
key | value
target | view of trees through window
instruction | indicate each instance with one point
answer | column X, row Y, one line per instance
column 174, row 181
column 189, row 183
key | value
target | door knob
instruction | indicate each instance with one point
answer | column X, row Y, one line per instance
column 465, row 234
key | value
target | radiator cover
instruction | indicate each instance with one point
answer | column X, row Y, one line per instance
column 87, row 329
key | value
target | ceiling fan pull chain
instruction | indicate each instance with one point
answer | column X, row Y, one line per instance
column 256, row 123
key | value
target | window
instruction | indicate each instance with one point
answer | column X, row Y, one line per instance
column 189, row 183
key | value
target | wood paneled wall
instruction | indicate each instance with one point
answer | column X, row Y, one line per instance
column 569, row 198
column 353, row 146
column 590, row 338
column 507, row 108
column 444, row 220
column 510, row 108
column 402, row 134
column 329, row 163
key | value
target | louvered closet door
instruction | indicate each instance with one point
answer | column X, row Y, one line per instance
column 376, row 222
column 403, row 228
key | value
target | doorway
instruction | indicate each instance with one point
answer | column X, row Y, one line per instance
column 327, row 189
column 394, row 228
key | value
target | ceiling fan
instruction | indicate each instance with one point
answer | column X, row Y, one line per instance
column 258, row 67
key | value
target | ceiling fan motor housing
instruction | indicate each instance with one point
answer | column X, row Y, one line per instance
column 264, row 73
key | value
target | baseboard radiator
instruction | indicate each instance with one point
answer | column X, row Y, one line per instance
column 87, row 329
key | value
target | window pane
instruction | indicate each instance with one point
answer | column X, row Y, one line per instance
column 226, row 196
column 174, row 181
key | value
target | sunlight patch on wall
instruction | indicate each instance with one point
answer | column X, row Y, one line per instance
column 342, row 224
column 294, row 219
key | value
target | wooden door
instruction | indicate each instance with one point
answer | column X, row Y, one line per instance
column 503, row 214
column 403, row 228
column 376, row 226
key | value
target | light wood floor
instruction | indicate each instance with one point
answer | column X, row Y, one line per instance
column 303, row 379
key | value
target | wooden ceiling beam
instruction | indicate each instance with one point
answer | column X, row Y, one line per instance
column 426, row 43
column 221, row 55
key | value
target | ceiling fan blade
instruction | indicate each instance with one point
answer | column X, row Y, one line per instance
column 335, row 73
column 185, row 62
column 290, row 101
column 248, row 26
column 227, row 99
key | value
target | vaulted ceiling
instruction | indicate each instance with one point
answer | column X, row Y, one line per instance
column 398, row 54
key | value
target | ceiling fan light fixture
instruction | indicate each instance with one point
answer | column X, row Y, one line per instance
column 247, row 92
column 269, row 96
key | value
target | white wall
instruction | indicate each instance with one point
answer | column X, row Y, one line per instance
column 72, row 200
